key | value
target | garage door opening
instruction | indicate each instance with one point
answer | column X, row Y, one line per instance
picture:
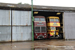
column 52, row 14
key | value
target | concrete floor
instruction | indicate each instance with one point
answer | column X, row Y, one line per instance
column 40, row 45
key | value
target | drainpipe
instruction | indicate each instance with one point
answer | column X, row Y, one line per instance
column 32, row 20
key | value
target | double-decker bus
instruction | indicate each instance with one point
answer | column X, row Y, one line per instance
column 40, row 27
column 53, row 25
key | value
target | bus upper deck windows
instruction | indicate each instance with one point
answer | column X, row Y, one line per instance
column 36, row 19
column 51, row 19
column 57, row 20
column 42, row 19
column 39, row 19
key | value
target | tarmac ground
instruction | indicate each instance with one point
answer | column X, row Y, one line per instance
column 55, row 44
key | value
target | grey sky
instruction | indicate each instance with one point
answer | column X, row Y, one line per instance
column 65, row 3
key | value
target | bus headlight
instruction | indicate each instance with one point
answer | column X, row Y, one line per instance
column 36, row 34
column 44, row 34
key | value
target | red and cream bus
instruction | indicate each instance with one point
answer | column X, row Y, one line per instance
column 40, row 27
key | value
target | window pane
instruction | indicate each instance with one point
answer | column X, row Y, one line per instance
column 36, row 19
column 51, row 19
column 42, row 19
column 37, row 29
column 56, row 20
column 52, row 28
column 43, row 29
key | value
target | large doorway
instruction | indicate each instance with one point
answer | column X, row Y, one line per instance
column 47, row 14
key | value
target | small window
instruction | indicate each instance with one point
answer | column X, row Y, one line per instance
column 51, row 19
column 36, row 19
column 52, row 28
column 57, row 20
column 37, row 29
column 42, row 19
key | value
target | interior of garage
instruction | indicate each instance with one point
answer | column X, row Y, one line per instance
column 47, row 14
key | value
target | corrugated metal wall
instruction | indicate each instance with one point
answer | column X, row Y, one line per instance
column 21, row 22
column 5, row 25
column 69, row 25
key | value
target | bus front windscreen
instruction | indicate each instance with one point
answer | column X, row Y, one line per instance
column 43, row 29
column 37, row 29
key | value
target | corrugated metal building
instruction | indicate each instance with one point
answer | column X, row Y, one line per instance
column 15, row 21
column 5, row 25
column 21, row 25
